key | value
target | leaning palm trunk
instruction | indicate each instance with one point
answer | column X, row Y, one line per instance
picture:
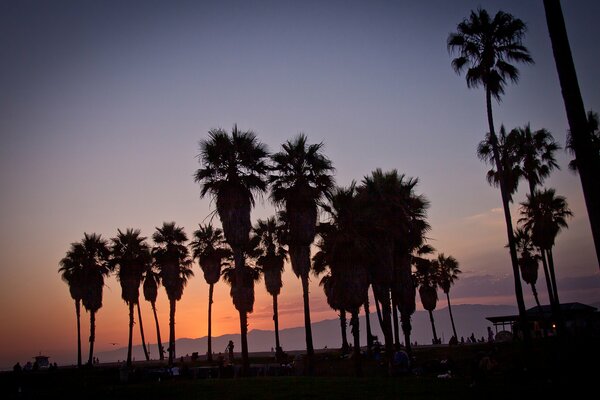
column 345, row 346
column 210, row 301
column 161, row 351
column 300, row 257
column 452, row 317
column 553, row 276
column 130, row 339
column 78, row 314
column 435, row 338
column 383, row 297
column 535, row 296
column 172, row 305
column 507, row 218
column 92, row 337
column 547, row 277
column 146, row 354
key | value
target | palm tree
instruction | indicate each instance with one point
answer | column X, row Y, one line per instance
column 151, row 284
column 544, row 215
column 174, row 267
column 448, row 274
column 130, row 257
column 95, row 254
column 427, row 277
column 234, row 170
column 344, row 249
column 71, row 269
column 208, row 248
column 267, row 238
column 592, row 119
column 529, row 263
column 335, row 304
column 588, row 157
column 301, row 177
column 486, row 49
column 536, row 152
column 508, row 148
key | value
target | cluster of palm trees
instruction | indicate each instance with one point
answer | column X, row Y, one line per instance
column 486, row 46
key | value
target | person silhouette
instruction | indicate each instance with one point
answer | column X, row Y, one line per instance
column 230, row 347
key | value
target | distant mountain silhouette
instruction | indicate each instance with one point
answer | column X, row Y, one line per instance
column 469, row 318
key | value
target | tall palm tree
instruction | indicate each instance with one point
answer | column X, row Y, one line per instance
column 427, row 277
column 301, row 177
column 592, row 119
column 544, row 215
column 208, row 248
column 448, row 274
column 234, row 170
column 344, row 249
column 529, row 263
column 588, row 158
column 95, row 270
column 71, row 269
column 151, row 284
column 268, row 240
column 174, row 267
column 130, row 257
column 486, row 47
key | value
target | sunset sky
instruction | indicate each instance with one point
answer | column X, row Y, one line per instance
column 102, row 105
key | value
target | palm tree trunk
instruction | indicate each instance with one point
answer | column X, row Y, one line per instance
column 368, row 322
column 161, row 351
column 92, row 337
column 307, row 327
column 146, row 354
column 244, row 339
column 386, row 327
column 276, row 322
column 553, row 276
column 588, row 163
column 378, row 309
column 508, row 221
column 451, row 316
column 535, row 296
column 172, row 305
column 356, row 335
column 547, row 276
column 78, row 314
column 345, row 346
column 395, row 324
column 406, row 329
column 130, row 338
column 210, row 301
column 435, row 338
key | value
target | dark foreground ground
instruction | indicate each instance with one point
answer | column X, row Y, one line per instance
column 546, row 372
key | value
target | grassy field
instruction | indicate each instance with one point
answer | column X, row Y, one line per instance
column 543, row 375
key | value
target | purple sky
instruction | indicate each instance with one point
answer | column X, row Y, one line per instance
column 102, row 105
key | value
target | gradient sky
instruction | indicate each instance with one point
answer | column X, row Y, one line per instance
column 102, row 105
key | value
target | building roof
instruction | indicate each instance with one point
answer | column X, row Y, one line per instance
column 568, row 309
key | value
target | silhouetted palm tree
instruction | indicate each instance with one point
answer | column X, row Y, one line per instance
column 486, row 48
column 448, row 274
column 544, row 215
column 71, row 269
column 588, row 157
column 301, row 177
column 267, row 240
column 427, row 276
column 208, row 248
column 529, row 262
column 594, row 132
column 130, row 257
column 344, row 249
column 95, row 269
column 151, row 284
column 509, row 158
column 234, row 169
column 175, row 268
